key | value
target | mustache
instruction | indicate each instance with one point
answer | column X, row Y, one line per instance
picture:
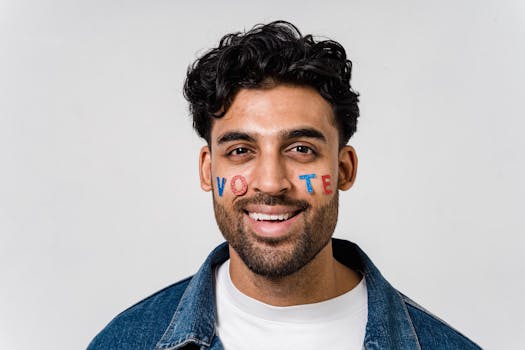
column 266, row 199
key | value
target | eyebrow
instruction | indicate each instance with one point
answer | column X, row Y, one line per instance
column 285, row 134
column 234, row 136
column 304, row 132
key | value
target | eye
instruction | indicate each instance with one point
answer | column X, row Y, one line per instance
column 238, row 151
column 302, row 153
column 303, row 149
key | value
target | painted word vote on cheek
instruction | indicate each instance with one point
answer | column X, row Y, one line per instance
column 238, row 185
column 325, row 179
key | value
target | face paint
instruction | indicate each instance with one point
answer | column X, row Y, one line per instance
column 327, row 184
column 307, row 178
column 239, row 185
column 220, row 187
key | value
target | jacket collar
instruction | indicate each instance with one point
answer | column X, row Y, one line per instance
column 388, row 327
column 194, row 318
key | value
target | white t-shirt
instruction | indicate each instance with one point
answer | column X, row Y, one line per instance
column 245, row 323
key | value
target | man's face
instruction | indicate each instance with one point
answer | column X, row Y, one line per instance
column 275, row 169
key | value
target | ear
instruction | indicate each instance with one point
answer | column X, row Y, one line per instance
column 347, row 168
column 205, row 169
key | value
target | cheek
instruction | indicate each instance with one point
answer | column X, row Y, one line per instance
column 316, row 183
column 237, row 185
column 219, row 185
column 326, row 180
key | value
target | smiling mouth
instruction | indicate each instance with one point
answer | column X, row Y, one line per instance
column 272, row 217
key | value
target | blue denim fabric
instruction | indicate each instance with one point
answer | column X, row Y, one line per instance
column 182, row 315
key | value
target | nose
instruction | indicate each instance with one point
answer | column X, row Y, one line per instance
column 270, row 176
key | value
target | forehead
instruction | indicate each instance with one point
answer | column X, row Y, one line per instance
column 268, row 111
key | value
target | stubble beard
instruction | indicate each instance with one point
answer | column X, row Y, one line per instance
column 280, row 257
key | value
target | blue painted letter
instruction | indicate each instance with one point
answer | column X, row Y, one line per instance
column 307, row 177
column 220, row 187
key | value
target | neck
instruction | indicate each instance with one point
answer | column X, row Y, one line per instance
column 321, row 279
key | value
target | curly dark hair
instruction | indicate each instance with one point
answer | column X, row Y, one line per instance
column 270, row 54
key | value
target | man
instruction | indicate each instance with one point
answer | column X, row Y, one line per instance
column 276, row 109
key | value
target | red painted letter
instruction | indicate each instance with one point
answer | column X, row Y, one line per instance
column 326, row 184
column 239, row 190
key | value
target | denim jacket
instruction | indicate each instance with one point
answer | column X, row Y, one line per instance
column 182, row 316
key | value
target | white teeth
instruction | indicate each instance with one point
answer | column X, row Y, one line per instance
column 268, row 217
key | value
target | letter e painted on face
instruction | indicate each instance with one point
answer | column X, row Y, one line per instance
column 221, row 181
column 307, row 178
column 239, row 185
column 327, row 184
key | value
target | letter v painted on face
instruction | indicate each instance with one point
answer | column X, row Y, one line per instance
column 221, row 182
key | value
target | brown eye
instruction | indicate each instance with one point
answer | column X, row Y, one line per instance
column 303, row 149
column 238, row 151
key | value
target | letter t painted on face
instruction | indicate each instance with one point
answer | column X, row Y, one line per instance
column 307, row 178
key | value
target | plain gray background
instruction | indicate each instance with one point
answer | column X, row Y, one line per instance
column 100, row 203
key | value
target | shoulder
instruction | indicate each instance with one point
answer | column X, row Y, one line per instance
column 142, row 325
column 434, row 333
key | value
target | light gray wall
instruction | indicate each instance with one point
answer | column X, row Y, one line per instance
column 99, row 197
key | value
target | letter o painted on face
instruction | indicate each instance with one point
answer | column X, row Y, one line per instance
column 239, row 185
